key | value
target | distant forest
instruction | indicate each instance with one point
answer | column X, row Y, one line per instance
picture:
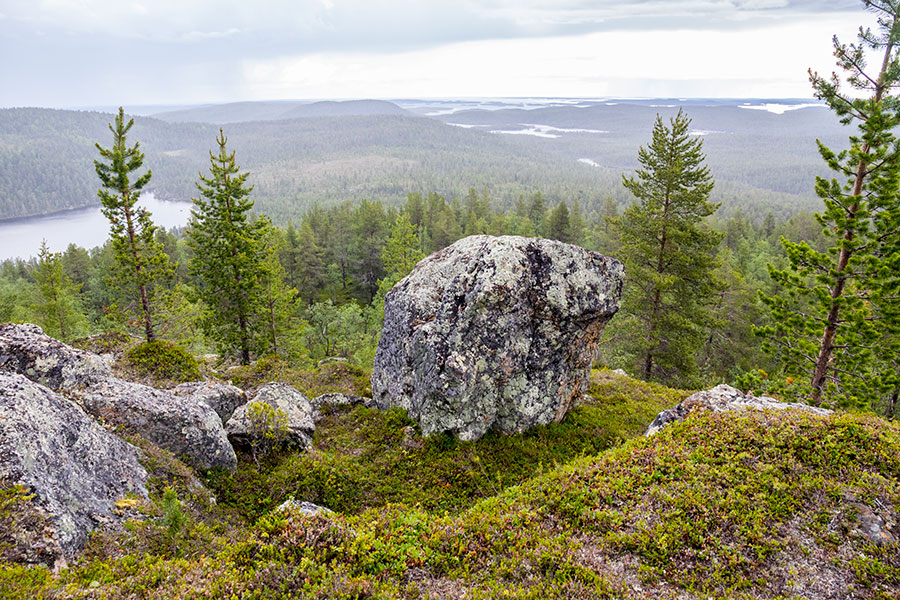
column 322, row 156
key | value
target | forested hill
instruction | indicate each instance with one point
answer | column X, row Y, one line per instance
column 237, row 112
column 762, row 162
column 46, row 160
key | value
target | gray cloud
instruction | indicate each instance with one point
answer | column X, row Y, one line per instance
column 72, row 52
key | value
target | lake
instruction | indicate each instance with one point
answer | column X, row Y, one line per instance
column 85, row 227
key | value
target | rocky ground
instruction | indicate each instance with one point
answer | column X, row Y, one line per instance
column 747, row 504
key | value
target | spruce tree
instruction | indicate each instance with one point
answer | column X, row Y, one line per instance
column 229, row 254
column 669, row 253
column 836, row 317
column 140, row 263
column 558, row 225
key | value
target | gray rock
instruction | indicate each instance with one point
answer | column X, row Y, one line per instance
column 303, row 508
column 280, row 396
column 221, row 397
column 190, row 430
column 75, row 468
column 724, row 398
column 494, row 333
column 338, row 399
column 27, row 350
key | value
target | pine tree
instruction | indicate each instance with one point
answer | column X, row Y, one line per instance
column 836, row 319
column 57, row 299
column 669, row 254
column 228, row 253
column 140, row 263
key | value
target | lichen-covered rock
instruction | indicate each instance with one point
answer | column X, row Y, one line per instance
column 494, row 333
column 296, row 407
column 75, row 468
column 221, row 397
column 302, row 508
column 27, row 350
column 191, row 430
column 724, row 398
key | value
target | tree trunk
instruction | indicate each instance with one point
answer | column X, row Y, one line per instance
column 826, row 345
column 138, row 270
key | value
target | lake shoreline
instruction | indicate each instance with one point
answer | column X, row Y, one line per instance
column 158, row 195
column 21, row 237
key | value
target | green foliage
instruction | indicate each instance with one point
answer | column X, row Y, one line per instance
column 364, row 458
column 173, row 518
column 57, row 303
column 267, row 428
column 836, row 315
column 162, row 361
column 740, row 505
column 140, row 264
column 669, row 255
column 229, row 255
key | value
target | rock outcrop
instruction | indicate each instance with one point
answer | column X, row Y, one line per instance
column 298, row 411
column 189, row 428
column 221, row 397
column 75, row 468
column 26, row 350
column 724, row 398
column 494, row 333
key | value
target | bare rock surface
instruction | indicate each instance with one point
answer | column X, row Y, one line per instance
column 724, row 398
column 494, row 333
column 221, row 397
column 75, row 468
column 297, row 408
column 302, row 508
column 190, row 429
column 26, row 350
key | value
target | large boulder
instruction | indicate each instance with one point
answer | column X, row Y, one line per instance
column 27, row 350
column 494, row 333
column 724, row 398
column 189, row 429
column 221, row 397
column 298, row 412
column 75, row 469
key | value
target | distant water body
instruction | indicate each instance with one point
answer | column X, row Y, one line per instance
column 85, row 227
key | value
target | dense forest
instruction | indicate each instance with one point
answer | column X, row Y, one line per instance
column 324, row 153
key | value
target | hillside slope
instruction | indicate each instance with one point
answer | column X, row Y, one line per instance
column 739, row 505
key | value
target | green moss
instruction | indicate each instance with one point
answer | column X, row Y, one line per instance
column 104, row 343
column 363, row 458
column 331, row 377
column 161, row 361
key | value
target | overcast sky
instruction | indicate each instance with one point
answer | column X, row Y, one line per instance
column 77, row 53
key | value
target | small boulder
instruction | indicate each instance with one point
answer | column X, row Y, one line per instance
column 297, row 408
column 27, row 350
column 221, row 397
column 302, row 508
column 724, row 398
column 190, row 430
column 76, row 469
column 494, row 333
